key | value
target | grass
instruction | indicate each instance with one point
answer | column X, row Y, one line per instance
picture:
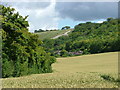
column 51, row 34
column 88, row 71
column 102, row 63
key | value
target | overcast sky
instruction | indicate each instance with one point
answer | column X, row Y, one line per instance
column 54, row 15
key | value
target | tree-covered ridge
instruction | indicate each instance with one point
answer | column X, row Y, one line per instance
column 22, row 53
column 87, row 38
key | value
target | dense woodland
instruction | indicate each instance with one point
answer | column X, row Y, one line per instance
column 86, row 38
column 22, row 53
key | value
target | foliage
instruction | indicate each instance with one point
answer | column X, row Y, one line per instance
column 90, row 38
column 64, row 53
column 66, row 27
column 22, row 53
column 40, row 30
column 107, row 77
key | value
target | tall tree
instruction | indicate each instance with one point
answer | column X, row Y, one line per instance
column 22, row 53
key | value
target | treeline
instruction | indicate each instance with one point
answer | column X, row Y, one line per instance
column 41, row 30
column 87, row 38
column 22, row 53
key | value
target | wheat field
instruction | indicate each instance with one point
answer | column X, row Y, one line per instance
column 73, row 72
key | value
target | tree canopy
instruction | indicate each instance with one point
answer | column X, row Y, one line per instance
column 22, row 53
column 66, row 27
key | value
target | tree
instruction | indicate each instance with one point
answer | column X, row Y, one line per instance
column 40, row 30
column 66, row 27
column 35, row 31
column 109, row 19
column 22, row 53
column 64, row 53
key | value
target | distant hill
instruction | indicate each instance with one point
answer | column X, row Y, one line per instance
column 52, row 34
column 88, row 38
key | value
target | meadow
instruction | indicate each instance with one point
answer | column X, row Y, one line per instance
column 87, row 71
column 51, row 34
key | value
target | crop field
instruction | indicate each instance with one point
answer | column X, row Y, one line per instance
column 87, row 71
column 51, row 34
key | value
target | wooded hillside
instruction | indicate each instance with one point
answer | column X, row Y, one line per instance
column 87, row 38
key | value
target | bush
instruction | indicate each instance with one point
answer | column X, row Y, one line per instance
column 64, row 53
column 107, row 77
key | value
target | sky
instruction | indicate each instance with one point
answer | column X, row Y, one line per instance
column 55, row 15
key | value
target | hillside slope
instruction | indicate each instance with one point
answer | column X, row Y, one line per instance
column 64, row 34
column 51, row 34
column 73, row 72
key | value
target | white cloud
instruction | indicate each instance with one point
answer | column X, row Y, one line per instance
column 40, row 18
column 99, row 22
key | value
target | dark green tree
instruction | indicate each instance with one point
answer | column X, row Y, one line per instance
column 22, row 53
column 66, row 27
